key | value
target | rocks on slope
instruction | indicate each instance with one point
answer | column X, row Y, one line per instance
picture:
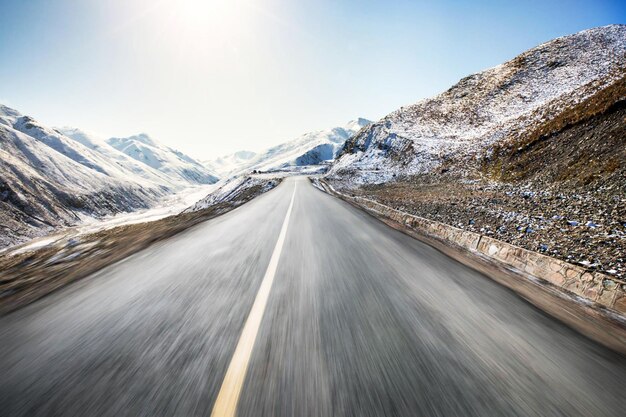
column 562, row 194
column 500, row 104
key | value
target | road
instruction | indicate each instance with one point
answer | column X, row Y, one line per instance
column 339, row 316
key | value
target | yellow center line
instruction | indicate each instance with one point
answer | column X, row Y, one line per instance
column 228, row 397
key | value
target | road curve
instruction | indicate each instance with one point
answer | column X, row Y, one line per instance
column 360, row 320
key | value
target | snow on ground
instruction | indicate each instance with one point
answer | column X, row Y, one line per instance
column 291, row 171
column 171, row 205
column 33, row 245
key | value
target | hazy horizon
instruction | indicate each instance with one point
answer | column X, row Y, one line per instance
column 214, row 77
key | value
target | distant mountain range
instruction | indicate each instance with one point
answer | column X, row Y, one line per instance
column 171, row 162
column 312, row 148
column 146, row 158
column 229, row 163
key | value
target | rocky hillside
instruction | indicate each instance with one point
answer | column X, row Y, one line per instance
column 42, row 189
column 563, row 195
column 493, row 107
column 532, row 152
column 235, row 191
column 583, row 148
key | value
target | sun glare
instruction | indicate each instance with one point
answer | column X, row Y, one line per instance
column 204, row 14
column 202, row 30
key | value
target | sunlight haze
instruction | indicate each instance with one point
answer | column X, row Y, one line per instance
column 213, row 77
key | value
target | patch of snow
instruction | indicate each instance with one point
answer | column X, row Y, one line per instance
column 35, row 244
column 169, row 206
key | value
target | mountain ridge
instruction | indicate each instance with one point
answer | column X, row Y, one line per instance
column 312, row 148
column 172, row 162
column 487, row 107
column 52, row 178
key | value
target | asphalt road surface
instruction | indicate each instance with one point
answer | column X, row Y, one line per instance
column 297, row 304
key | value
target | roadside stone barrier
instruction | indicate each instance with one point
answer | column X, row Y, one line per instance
column 599, row 288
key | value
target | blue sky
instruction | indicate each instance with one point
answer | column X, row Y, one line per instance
column 214, row 76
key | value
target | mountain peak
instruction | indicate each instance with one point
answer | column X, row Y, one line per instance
column 144, row 138
column 357, row 124
column 89, row 140
column 9, row 112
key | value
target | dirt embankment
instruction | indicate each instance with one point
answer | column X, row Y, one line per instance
column 584, row 147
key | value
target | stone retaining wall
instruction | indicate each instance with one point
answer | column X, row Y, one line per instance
column 592, row 286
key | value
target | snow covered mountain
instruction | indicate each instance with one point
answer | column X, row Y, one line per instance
column 496, row 106
column 122, row 161
column 312, row 148
column 171, row 162
column 49, row 180
column 55, row 177
column 228, row 163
